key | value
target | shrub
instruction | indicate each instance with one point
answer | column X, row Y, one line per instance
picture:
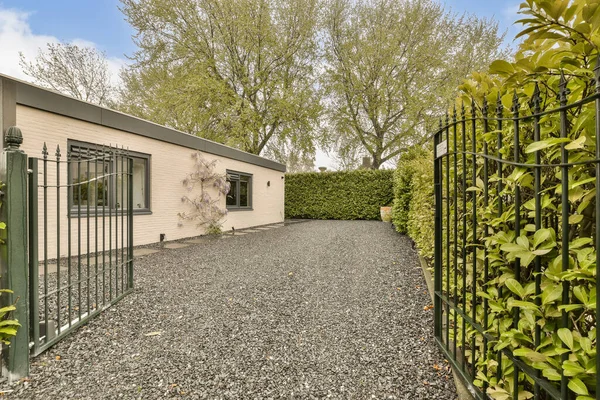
column 403, row 181
column 421, row 210
column 525, row 269
column 338, row 195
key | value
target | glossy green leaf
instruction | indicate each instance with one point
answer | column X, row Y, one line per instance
column 566, row 336
column 577, row 386
column 544, row 144
column 515, row 287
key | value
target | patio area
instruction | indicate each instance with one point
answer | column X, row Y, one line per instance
column 319, row 309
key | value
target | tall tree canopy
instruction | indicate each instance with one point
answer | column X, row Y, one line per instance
column 240, row 72
column 390, row 66
column 80, row 72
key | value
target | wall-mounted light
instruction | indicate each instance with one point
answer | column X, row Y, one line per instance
column 268, row 183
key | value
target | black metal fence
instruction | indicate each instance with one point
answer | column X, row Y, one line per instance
column 80, row 238
column 517, row 229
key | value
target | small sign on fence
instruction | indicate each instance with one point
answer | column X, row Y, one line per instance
column 442, row 148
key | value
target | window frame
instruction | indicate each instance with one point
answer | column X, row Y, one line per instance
column 74, row 211
column 237, row 207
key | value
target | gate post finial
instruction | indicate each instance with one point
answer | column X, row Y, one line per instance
column 13, row 138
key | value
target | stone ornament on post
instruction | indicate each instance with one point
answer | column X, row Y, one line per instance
column 13, row 139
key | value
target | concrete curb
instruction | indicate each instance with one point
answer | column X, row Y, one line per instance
column 461, row 389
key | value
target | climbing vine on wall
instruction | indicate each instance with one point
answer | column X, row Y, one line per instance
column 205, row 187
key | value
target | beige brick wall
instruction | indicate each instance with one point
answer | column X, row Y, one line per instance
column 169, row 164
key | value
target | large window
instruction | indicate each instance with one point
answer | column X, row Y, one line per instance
column 97, row 180
column 240, row 191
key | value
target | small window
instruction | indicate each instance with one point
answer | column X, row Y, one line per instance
column 96, row 180
column 240, row 190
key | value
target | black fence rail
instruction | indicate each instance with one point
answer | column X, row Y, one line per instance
column 80, row 238
column 517, row 229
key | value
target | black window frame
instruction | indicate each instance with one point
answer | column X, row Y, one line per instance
column 232, row 174
column 74, row 211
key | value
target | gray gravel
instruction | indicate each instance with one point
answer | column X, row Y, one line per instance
column 113, row 283
column 323, row 309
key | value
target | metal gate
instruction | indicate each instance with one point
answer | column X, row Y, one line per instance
column 511, row 192
column 80, row 238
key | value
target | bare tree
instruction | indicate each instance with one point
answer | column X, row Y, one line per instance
column 80, row 72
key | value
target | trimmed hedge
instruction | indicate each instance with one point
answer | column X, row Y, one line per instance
column 421, row 213
column 413, row 210
column 338, row 195
column 403, row 186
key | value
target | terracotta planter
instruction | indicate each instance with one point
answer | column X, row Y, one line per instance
column 386, row 214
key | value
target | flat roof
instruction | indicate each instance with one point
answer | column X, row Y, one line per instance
column 47, row 100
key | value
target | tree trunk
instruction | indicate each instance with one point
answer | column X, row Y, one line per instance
column 376, row 161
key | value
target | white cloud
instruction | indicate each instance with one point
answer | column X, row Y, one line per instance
column 511, row 12
column 16, row 36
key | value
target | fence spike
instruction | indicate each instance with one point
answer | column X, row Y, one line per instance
column 484, row 109
column 454, row 114
column 57, row 154
column 563, row 91
column 536, row 99
column 462, row 110
column 597, row 73
column 515, row 104
column 45, row 151
column 447, row 118
column 499, row 106
column 473, row 109
column 441, row 124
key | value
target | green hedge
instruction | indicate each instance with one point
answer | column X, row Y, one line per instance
column 338, row 195
column 413, row 210
column 403, row 187
column 421, row 212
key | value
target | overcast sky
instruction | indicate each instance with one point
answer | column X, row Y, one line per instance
column 26, row 25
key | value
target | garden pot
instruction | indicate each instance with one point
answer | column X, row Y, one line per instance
column 386, row 214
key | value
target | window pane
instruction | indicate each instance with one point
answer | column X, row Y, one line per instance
column 90, row 185
column 232, row 195
column 121, row 191
column 139, row 183
column 244, row 192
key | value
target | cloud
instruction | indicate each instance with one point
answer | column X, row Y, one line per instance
column 16, row 36
column 511, row 12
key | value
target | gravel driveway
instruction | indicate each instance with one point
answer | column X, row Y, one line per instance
column 322, row 309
